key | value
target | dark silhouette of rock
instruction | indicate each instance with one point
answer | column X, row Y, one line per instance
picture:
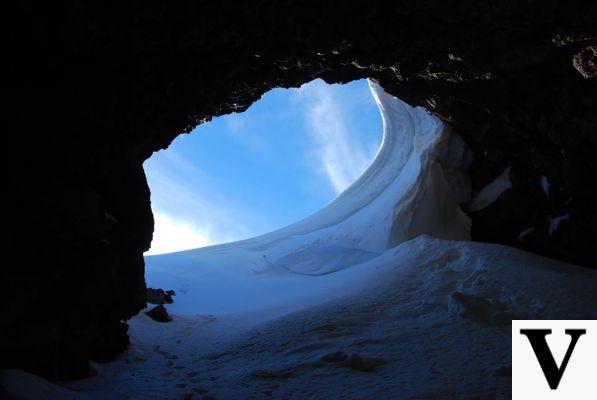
column 472, row 307
column 94, row 89
column 159, row 314
column 481, row 309
column 159, row 296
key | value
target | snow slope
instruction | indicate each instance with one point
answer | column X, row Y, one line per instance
column 377, row 295
column 428, row 319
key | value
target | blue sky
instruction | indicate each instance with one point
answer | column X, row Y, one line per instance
column 241, row 175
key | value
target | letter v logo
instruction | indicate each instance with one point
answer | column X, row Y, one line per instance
column 537, row 338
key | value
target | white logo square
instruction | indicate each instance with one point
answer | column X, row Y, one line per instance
column 554, row 359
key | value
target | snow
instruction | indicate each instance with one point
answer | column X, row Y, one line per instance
column 492, row 191
column 554, row 222
column 15, row 384
column 367, row 298
column 525, row 232
column 398, row 311
column 545, row 185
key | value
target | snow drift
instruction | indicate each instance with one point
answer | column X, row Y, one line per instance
column 428, row 318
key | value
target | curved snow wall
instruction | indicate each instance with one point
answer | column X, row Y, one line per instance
column 414, row 186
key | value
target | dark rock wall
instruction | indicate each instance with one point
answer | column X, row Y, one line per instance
column 93, row 90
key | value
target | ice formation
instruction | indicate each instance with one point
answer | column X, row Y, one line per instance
column 492, row 191
column 413, row 186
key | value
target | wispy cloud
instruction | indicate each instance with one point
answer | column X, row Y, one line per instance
column 188, row 209
column 342, row 159
column 238, row 125
column 172, row 234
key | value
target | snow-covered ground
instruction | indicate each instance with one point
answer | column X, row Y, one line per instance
column 428, row 319
column 378, row 295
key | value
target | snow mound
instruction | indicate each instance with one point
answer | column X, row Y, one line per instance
column 428, row 318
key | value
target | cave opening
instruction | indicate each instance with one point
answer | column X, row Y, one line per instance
column 245, row 174
column 379, row 195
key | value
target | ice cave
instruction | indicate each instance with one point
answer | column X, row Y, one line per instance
column 477, row 209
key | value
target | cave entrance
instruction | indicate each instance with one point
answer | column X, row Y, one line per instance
column 413, row 186
column 246, row 174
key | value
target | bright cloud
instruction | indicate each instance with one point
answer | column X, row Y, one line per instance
column 343, row 160
column 189, row 212
column 171, row 235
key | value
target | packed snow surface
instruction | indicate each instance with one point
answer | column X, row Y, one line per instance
column 427, row 319
column 377, row 295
